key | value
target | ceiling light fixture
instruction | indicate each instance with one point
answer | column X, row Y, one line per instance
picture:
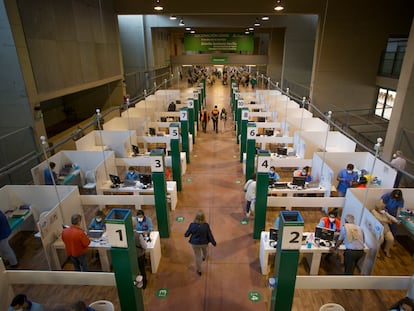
column 173, row 17
column 257, row 23
column 251, row 28
column 192, row 31
column 265, row 18
column 279, row 6
column 188, row 28
column 181, row 23
column 158, row 6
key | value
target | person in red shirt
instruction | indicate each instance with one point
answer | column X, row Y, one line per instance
column 76, row 244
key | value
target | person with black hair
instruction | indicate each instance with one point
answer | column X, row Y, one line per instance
column 331, row 221
column 50, row 175
column 250, row 189
column 346, row 178
column 393, row 203
column 404, row 304
column 20, row 302
column 6, row 252
column 143, row 223
column 215, row 113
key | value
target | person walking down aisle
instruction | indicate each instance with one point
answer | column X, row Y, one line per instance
column 223, row 118
column 204, row 118
column 215, row 113
column 76, row 244
column 200, row 235
column 250, row 189
column 400, row 164
column 6, row 251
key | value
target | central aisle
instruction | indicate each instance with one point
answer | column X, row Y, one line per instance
column 213, row 183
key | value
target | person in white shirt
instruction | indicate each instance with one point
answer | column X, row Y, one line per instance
column 250, row 189
column 400, row 164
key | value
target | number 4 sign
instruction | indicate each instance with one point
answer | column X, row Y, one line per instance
column 263, row 164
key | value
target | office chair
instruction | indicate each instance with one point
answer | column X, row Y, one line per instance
column 102, row 305
column 90, row 182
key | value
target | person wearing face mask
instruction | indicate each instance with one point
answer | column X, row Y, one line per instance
column 144, row 223
column 97, row 223
column 331, row 221
column 393, row 202
column 346, row 178
column 20, row 303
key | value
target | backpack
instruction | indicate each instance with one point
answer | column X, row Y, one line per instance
column 171, row 107
column 215, row 114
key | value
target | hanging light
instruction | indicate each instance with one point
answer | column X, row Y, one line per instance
column 279, row 6
column 181, row 23
column 265, row 18
column 257, row 23
column 173, row 17
column 250, row 29
column 158, row 6
column 188, row 28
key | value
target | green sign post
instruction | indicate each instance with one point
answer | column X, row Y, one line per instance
column 184, row 132
column 250, row 149
column 124, row 258
column 240, row 103
column 262, row 187
column 243, row 139
column 286, row 259
column 191, row 117
column 160, row 192
column 175, row 153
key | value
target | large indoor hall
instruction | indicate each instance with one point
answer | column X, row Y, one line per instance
column 214, row 183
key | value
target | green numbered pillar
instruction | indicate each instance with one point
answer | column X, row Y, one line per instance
column 184, row 132
column 243, row 140
column 250, row 149
column 203, row 91
column 191, row 117
column 175, row 154
column 124, row 258
column 240, row 103
column 262, row 185
column 160, row 192
column 286, row 259
column 197, row 108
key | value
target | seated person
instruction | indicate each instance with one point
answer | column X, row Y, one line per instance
column 273, row 174
column 331, row 221
column 20, row 302
column 405, row 304
column 276, row 225
column 50, row 175
column 97, row 223
column 144, row 223
column 303, row 172
column 132, row 174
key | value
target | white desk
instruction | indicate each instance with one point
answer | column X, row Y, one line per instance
column 137, row 190
column 313, row 255
column 102, row 246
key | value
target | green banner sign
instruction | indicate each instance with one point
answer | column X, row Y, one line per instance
column 222, row 42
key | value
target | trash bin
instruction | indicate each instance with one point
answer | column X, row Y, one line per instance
column 331, row 307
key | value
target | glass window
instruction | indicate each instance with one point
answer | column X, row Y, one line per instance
column 385, row 103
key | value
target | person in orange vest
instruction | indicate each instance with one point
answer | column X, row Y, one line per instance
column 331, row 221
column 204, row 118
column 215, row 113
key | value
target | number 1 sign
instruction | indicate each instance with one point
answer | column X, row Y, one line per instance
column 116, row 235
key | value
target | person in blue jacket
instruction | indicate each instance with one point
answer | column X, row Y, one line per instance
column 200, row 235
column 6, row 251
column 20, row 302
column 393, row 202
column 50, row 175
column 346, row 178
column 144, row 223
column 132, row 174
column 97, row 223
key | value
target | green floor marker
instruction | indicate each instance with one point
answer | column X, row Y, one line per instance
column 195, row 156
column 179, row 219
column 238, row 181
column 234, row 156
column 162, row 293
column 254, row 296
column 189, row 179
column 244, row 221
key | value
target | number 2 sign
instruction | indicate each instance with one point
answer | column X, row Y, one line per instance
column 292, row 237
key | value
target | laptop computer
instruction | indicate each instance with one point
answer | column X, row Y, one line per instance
column 95, row 234
column 129, row 183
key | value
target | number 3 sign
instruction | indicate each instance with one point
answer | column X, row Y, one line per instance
column 157, row 164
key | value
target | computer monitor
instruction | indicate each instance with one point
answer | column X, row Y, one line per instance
column 135, row 149
column 281, row 151
column 299, row 181
column 145, row 179
column 273, row 234
column 271, row 181
column 151, row 131
column 115, row 179
column 270, row 132
column 324, row 234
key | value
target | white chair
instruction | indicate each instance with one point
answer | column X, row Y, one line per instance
column 331, row 307
column 90, row 182
column 102, row 305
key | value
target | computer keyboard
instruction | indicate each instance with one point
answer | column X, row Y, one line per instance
column 280, row 185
